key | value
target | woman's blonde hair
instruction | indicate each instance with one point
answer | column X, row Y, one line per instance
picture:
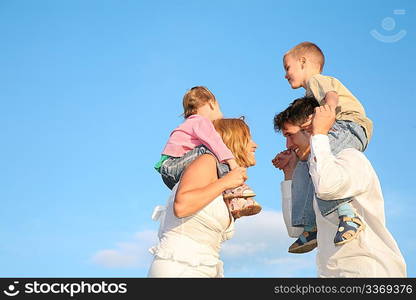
column 195, row 98
column 236, row 136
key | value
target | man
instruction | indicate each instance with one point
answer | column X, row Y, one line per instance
column 374, row 252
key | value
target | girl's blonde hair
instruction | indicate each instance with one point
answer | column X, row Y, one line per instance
column 236, row 136
column 195, row 98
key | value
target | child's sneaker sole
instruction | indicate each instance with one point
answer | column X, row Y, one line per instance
column 243, row 191
column 307, row 247
column 247, row 211
column 306, row 242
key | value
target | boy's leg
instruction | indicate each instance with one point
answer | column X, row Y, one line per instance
column 172, row 168
column 302, row 196
column 346, row 134
column 349, row 226
column 343, row 135
column 303, row 214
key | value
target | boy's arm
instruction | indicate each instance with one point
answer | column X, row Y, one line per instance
column 331, row 98
column 323, row 89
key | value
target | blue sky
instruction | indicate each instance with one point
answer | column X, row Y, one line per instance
column 90, row 90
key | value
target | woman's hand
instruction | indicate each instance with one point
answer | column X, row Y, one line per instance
column 234, row 178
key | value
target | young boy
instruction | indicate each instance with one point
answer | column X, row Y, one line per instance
column 303, row 65
column 197, row 136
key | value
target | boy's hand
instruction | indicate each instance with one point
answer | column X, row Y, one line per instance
column 323, row 120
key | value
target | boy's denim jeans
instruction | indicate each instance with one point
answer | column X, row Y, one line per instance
column 172, row 168
column 344, row 134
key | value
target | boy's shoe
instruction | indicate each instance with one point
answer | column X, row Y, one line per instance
column 243, row 191
column 305, row 243
column 240, row 207
column 347, row 232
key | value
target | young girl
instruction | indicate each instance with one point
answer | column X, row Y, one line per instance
column 197, row 136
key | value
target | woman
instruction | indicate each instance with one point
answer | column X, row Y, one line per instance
column 196, row 220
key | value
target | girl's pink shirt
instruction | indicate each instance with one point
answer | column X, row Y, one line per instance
column 195, row 131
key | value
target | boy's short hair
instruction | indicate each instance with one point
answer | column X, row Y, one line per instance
column 297, row 113
column 311, row 49
column 195, row 98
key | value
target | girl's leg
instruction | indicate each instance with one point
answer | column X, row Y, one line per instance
column 172, row 168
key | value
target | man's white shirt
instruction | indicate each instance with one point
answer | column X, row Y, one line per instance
column 374, row 253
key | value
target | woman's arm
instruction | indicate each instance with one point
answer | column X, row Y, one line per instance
column 200, row 185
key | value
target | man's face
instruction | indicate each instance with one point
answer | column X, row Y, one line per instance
column 297, row 139
column 294, row 72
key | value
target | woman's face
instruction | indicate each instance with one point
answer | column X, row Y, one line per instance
column 251, row 148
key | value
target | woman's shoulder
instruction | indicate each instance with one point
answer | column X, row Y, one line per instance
column 205, row 164
column 205, row 160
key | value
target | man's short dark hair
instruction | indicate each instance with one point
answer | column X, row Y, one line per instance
column 296, row 114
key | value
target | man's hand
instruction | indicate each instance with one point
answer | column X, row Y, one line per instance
column 281, row 159
column 323, row 119
column 307, row 126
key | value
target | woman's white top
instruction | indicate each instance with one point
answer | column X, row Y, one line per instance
column 196, row 239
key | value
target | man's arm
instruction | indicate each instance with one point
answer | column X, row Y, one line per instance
column 335, row 177
column 289, row 160
column 286, row 161
column 331, row 99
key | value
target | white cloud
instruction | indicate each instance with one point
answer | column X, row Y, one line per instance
column 114, row 259
column 259, row 249
column 132, row 254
